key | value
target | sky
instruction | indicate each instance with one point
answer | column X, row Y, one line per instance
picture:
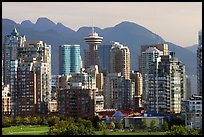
column 176, row 22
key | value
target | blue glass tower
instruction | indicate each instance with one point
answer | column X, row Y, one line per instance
column 104, row 57
column 70, row 59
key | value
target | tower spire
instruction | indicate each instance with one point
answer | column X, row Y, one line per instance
column 15, row 32
column 92, row 27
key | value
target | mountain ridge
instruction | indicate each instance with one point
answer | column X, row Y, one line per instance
column 127, row 33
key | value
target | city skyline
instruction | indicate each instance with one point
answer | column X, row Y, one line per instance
column 174, row 22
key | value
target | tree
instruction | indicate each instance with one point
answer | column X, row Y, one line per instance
column 143, row 125
column 120, row 125
column 165, row 126
column 53, row 120
column 153, row 125
column 176, row 121
column 18, row 120
column 101, row 126
column 95, row 121
column 26, row 120
column 182, row 130
column 70, row 127
column 85, row 127
column 44, row 121
column 34, row 121
column 6, row 121
column 112, row 125
column 39, row 120
column 194, row 132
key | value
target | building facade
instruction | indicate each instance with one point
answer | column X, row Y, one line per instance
column 70, row 59
column 104, row 58
column 166, row 85
column 118, row 92
column 6, row 101
column 149, row 55
column 192, row 111
column 33, row 84
column 137, row 95
column 10, row 45
column 76, row 95
column 120, row 60
column 199, row 63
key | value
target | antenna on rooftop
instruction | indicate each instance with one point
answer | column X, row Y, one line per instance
column 92, row 26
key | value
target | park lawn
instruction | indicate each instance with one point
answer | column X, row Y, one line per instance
column 128, row 133
column 42, row 130
column 25, row 130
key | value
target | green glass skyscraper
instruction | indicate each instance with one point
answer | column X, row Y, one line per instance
column 69, row 59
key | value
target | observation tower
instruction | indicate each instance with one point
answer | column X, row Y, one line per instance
column 93, row 40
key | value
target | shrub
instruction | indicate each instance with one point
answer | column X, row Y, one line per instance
column 39, row 120
column 34, row 121
column 112, row 125
column 153, row 125
column 101, row 126
column 95, row 121
column 182, row 130
column 7, row 121
column 18, row 120
column 143, row 125
column 44, row 121
column 120, row 125
column 165, row 126
column 26, row 121
column 53, row 120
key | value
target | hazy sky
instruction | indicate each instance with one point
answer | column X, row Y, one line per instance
column 177, row 22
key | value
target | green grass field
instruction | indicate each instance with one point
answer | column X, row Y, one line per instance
column 25, row 130
column 42, row 130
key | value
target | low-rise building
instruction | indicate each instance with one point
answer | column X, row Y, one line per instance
column 137, row 121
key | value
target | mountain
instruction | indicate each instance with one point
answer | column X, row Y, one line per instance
column 127, row 33
column 193, row 48
column 27, row 24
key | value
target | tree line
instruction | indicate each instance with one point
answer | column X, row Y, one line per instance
column 87, row 126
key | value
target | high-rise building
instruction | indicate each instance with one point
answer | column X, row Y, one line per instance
column 118, row 92
column 10, row 45
column 166, row 85
column 33, row 85
column 148, row 57
column 188, row 87
column 163, row 48
column 70, row 59
column 136, row 77
column 76, row 95
column 104, row 58
column 120, row 60
column 164, row 79
column 199, row 63
column 91, row 57
column 99, row 83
